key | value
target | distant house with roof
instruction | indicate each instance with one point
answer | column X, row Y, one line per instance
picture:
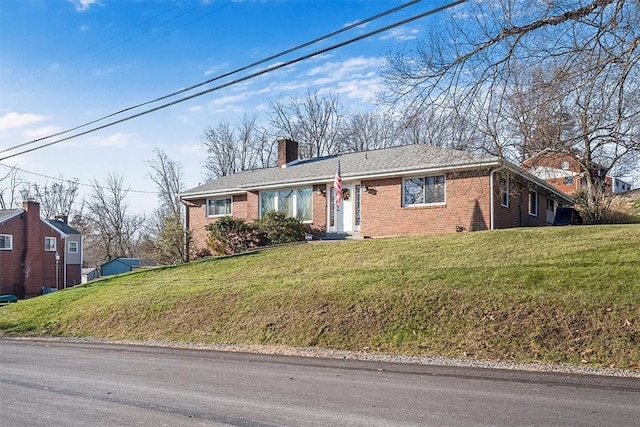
column 119, row 266
column 36, row 253
column 406, row 190
column 563, row 171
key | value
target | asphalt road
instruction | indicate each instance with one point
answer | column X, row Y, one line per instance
column 73, row 384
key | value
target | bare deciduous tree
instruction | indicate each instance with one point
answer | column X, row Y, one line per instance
column 114, row 230
column 57, row 198
column 314, row 122
column 233, row 149
column 10, row 185
column 368, row 131
column 583, row 100
column 167, row 235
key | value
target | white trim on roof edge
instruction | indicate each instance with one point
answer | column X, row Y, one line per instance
column 345, row 177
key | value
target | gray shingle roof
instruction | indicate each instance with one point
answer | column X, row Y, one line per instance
column 62, row 226
column 387, row 161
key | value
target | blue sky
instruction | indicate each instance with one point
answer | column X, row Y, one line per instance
column 67, row 62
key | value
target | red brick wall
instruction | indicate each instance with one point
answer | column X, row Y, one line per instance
column 10, row 263
column 74, row 275
column 247, row 207
column 319, row 202
column 517, row 213
column 467, row 206
column 198, row 220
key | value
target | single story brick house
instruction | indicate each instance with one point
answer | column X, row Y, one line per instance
column 37, row 254
column 406, row 190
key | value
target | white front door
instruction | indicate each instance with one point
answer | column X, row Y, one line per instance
column 346, row 217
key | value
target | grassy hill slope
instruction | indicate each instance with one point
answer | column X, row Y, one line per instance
column 563, row 295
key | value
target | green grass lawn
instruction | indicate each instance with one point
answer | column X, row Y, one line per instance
column 561, row 295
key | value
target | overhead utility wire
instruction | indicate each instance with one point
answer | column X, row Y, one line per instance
column 248, row 77
column 71, row 181
column 221, row 76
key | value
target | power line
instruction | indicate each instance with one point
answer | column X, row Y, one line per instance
column 241, row 79
column 221, row 76
column 71, row 181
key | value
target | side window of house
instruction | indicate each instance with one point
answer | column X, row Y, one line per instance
column 219, row 207
column 504, row 191
column 568, row 180
column 6, row 242
column 73, row 247
column 533, row 202
column 423, row 191
column 49, row 244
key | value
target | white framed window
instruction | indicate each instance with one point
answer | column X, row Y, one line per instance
column 219, row 207
column 564, row 165
column 293, row 202
column 50, row 244
column 504, row 192
column 72, row 247
column 427, row 190
column 533, row 203
column 6, row 242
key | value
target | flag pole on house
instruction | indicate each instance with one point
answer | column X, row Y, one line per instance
column 337, row 185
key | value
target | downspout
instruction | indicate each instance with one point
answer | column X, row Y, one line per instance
column 64, row 253
column 185, row 215
column 491, row 188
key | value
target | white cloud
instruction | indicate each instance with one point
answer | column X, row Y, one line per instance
column 16, row 120
column 82, row 5
column 401, row 34
column 103, row 72
column 214, row 69
column 41, row 131
column 116, row 140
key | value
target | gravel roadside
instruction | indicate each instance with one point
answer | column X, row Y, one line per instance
column 341, row 354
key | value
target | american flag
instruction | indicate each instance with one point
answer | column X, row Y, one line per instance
column 337, row 185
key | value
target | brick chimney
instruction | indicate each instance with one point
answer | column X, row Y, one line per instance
column 33, row 247
column 287, row 151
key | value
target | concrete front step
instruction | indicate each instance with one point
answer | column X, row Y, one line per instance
column 343, row 236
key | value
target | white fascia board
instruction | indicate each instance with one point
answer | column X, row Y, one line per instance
column 13, row 215
column 62, row 233
column 214, row 193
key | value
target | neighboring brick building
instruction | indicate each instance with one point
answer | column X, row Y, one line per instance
column 37, row 253
column 414, row 189
column 563, row 171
